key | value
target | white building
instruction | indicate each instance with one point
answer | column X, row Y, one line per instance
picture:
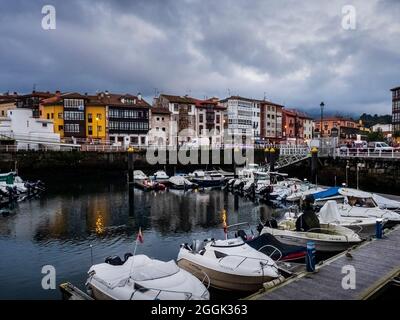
column 243, row 116
column 29, row 132
column 308, row 128
column 382, row 128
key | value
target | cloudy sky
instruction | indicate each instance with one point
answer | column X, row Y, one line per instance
column 296, row 53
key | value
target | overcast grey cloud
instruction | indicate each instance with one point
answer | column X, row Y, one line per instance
column 296, row 52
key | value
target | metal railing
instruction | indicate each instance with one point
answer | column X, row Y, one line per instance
column 368, row 153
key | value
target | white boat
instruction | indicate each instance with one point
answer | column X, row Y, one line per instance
column 356, row 203
column 230, row 264
column 180, row 182
column 139, row 175
column 329, row 214
column 327, row 238
column 160, row 176
column 303, row 192
column 385, row 203
column 142, row 278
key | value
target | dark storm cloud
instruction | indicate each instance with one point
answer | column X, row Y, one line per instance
column 298, row 53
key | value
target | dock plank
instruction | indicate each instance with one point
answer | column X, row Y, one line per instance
column 375, row 262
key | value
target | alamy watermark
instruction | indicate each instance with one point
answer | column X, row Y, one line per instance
column 349, row 19
column 49, row 280
column 349, row 280
column 49, row 19
column 237, row 148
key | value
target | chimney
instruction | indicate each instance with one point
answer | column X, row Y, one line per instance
column 139, row 96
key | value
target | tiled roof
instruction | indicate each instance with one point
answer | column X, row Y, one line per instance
column 178, row 99
column 160, row 110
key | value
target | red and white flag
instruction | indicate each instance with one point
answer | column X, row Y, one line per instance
column 140, row 235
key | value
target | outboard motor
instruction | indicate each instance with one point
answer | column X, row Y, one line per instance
column 114, row 260
column 127, row 255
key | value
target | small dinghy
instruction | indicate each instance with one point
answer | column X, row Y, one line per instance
column 230, row 264
column 142, row 278
column 329, row 214
column 327, row 238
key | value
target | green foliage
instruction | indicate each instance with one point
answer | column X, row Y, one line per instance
column 375, row 136
column 370, row 120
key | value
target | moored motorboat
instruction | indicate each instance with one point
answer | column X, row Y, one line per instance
column 329, row 214
column 327, row 238
column 141, row 278
column 180, row 183
column 160, row 176
column 230, row 264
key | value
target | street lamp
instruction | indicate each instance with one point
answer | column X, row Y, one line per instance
column 322, row 104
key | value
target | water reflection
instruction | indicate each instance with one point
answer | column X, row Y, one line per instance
column 60, row 228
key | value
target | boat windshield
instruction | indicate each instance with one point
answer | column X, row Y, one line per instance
column 362, row 202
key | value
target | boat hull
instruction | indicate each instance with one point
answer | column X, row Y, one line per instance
column 300, row 239
column 223, row 280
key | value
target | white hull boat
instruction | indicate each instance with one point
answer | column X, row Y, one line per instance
column 142, row 278
column 230, row 264
column 328, row 238
column 180, row 183
column 329, row 214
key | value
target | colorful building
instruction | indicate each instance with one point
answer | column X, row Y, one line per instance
column 271, row 122
column 395, row 110
column 96, row 120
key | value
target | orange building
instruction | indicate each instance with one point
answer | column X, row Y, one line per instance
column 334, row 122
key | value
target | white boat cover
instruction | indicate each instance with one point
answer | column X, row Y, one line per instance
column 179, row 180
column 385, row 202
column 329, row 213
column 143, row 269
column 354, row 193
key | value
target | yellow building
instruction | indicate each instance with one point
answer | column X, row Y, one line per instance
column 95, row 120
column 53, row 110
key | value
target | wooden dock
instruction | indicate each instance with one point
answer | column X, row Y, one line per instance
column 70, row 292
column 376, row 263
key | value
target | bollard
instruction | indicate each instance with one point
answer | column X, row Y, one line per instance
column 379, row 228
column 310, row 258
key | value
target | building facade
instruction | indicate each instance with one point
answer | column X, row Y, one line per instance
column 160, row 134
column 96, row 120
column 243, row 117
column 32, row 101
column 127, row 118
column 183, row 117
column 210, row 117
column 396, row 110
column 345, row 129
column 7, row 102
column 271, row 122
column 20, row 123
column 68, row 112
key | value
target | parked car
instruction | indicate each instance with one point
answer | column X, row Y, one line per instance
column 380, row 146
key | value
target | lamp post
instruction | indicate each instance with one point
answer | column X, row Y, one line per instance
column 322, row 104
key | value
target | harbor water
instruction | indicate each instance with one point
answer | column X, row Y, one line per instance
column 80, row 212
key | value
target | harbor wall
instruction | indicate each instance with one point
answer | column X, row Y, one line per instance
column 375, row 175
column 382, row 175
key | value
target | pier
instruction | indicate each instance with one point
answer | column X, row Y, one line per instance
column 376, row 264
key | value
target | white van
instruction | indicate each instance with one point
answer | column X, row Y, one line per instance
column 380, row 146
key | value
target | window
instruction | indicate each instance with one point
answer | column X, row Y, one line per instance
column 142, row 140
column 163, row 129
column 52, row 115
column 200, row 129
column 48, row 116
column 218, row 119
column 201, row 118
column 72, row 128
column 89, row 118
column 98, row 116
column 158, row 118
column 134, row 140
column 60, row 128
column 99, row 129
column 176, row 107
column 60, row 115
column 90, row 130
column 44, row 124
column 162, row 118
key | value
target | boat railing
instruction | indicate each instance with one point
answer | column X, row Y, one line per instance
column 246, row 258
column 188, row 295
column 205, row 278
column 275, row 250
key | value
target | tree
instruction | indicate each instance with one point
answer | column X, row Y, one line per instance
column 375, row 136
